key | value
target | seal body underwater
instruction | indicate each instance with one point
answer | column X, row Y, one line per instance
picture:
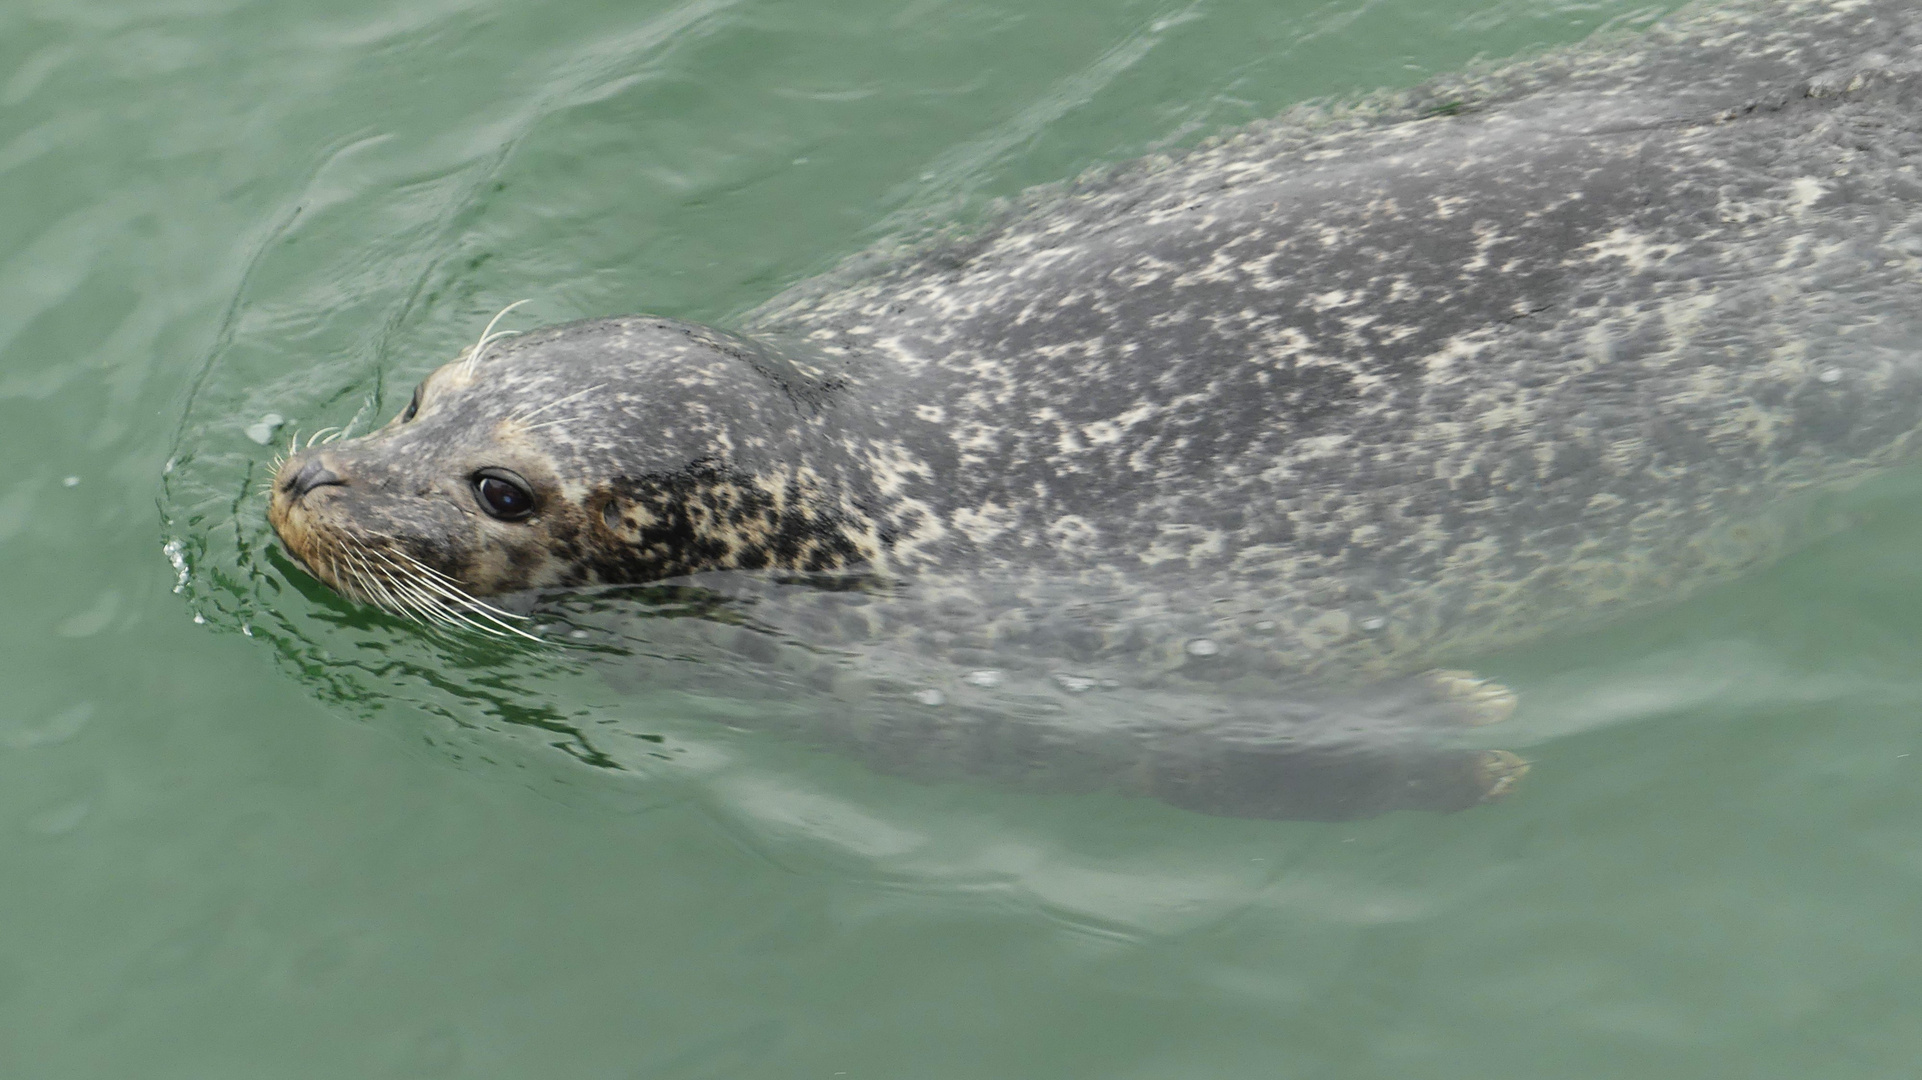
column 1308, row 409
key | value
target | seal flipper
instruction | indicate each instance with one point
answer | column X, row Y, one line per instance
column 1273, row 779
column 1304, row 759
column 1478, row 701
column 1299, row 773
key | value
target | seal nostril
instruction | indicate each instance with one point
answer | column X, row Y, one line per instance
column 312, row 475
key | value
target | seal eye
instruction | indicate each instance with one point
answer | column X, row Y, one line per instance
column 503, row 494
column 413, row 407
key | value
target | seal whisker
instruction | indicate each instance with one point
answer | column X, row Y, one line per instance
column 356, row 580
column 419, row 590
column 488, row 336
column 499, row 629
column 547, row 423
column 447, row 589
column 455, row 587
column 407, row 593
column 446, row 613
column 559, row 401
column 384, row 587
column 451, row 591
column 422, row 570
column 349, row 580
column 380, row 588
column 453, row 617
column 318, row 434
column 431, row 606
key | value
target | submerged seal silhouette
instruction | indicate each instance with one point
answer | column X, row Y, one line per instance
column 1322, row 403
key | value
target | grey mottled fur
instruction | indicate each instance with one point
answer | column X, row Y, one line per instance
column 1564, row 351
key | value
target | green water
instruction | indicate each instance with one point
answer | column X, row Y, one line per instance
column 290, row 840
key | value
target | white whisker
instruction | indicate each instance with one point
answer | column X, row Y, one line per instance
column 447, row 589
column 318, row 434
column 562, row 401
column 427, row 604
column 488, row 336
column 424, row 600
column 386, row 587
column 384, row 596
column 389, row 578
column 435, row 575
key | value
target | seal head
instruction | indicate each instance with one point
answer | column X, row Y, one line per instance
column 580, row 454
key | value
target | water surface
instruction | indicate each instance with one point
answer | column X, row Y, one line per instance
column 249, row 832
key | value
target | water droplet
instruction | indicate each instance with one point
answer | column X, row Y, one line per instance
column 1074, row 684
column 930, row 697
column 987, row 678
column 263, row 432
column 177, row 555
column 1202, row 647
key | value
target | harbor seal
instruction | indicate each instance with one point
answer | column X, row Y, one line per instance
column 1287, row 419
